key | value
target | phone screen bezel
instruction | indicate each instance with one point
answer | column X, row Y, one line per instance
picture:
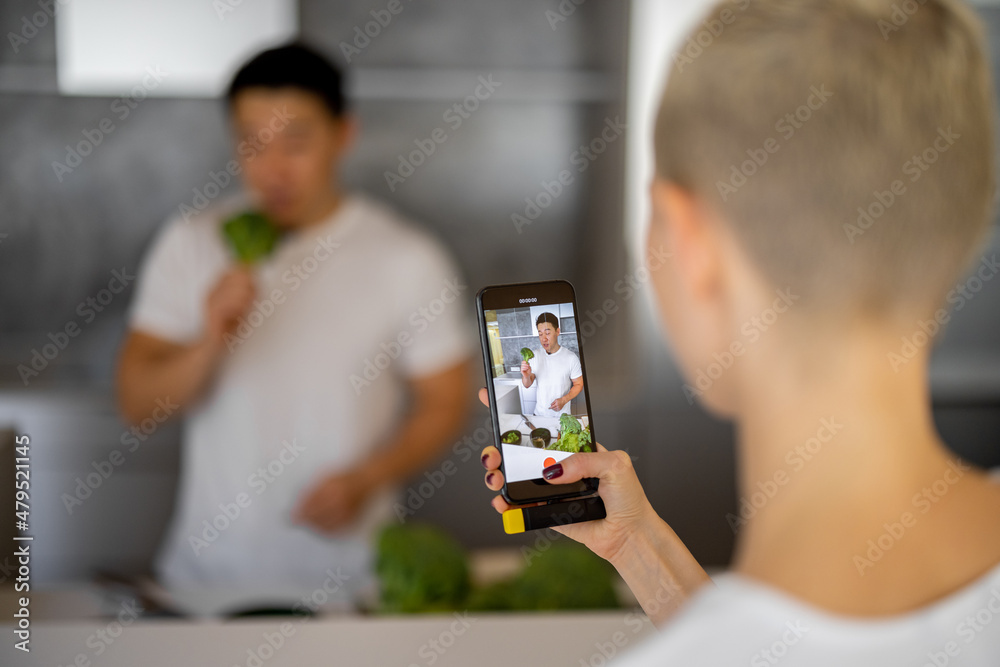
column 515, row 295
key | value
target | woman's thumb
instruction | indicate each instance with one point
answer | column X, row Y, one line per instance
column 604, row 465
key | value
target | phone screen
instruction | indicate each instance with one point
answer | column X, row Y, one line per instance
column 538, row 390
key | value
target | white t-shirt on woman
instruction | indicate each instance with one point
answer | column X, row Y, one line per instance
column 742, row 622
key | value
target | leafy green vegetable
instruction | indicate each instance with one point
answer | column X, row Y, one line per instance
column 573, row 437
column 564, row 576
column 251, row 235
column 421, row 569
column 526, row 353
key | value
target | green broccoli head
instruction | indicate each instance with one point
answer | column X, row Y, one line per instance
column 251, row 236
column 569, row 576
column 563, row 576
column 526, row 353
column 569, row 424
column 420, row 569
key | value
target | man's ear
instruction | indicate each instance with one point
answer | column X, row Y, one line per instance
column 691, row 232
column 347, row 129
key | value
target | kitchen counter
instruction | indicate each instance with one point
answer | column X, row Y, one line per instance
column 511, row 422
column 76, row 624
column 459, row 639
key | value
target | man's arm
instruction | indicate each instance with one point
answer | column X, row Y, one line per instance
column 527, row 377
column 440, row 407
column 151, row 369
column 573, row 392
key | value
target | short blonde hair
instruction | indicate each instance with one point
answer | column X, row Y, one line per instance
column 849, row 143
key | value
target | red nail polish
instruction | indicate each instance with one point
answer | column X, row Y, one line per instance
column 489, row 478
column 485, row 456
column 552, row 471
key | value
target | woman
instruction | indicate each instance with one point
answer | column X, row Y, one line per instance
column 773, row 146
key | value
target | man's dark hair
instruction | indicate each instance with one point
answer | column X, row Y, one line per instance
column 292, row 66
column 547, row 317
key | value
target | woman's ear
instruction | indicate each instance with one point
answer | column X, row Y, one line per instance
column 690, row 230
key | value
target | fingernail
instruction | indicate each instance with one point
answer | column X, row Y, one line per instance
column 485, row 456
column 552, row 471
column 489, row 478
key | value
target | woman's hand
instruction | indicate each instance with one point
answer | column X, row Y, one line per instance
column 652, row 560
column 624, row 500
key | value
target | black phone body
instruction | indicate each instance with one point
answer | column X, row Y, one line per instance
column 508, row 322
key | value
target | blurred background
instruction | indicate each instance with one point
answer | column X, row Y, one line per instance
column 567, row 71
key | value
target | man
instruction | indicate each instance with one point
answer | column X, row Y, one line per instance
column 311, row 382
column 558, row 372
column 862, row 539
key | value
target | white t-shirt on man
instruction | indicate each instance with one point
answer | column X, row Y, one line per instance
column 347, row 310
column 554, row 375
column 740, row 621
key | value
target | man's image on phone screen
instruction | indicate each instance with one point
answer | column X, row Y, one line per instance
column 538, row 385
column 555, row 373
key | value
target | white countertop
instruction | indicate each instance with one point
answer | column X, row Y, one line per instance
column 511, row 422
column 548, row 639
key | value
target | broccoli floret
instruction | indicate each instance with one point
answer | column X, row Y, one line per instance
column 526, row 353
column 569, row 424
column 251, row 236
column 498, row 596
column 421, row 569
column 511, row 437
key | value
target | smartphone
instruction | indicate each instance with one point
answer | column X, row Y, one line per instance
column 536, row 377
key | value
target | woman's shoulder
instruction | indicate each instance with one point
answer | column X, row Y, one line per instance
column 743, row 621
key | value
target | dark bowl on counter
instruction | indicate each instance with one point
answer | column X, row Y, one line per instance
column 508, row 437
column 540, row 437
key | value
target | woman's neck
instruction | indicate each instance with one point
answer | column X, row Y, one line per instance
column 835, row 453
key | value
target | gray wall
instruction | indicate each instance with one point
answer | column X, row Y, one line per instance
column 65, row 236
column 517, row 331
